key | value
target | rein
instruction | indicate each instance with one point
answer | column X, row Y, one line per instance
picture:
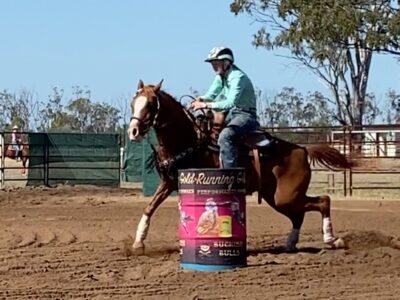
column 164, row 167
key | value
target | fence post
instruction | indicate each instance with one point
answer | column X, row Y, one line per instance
column 344, row 152
column 45, row 159
column 121, row 157
column 47, row 155
column 351, row 157
column 2, row 160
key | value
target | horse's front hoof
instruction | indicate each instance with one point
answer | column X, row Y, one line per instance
column 138, row 248
column 135, row 249
column 338, row 243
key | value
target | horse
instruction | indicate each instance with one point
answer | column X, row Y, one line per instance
column 285, row 176
column 23, row 154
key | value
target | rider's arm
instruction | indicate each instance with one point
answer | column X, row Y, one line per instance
column 236, row 87
column 214, row 90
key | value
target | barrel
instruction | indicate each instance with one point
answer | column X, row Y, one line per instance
column 212, row 225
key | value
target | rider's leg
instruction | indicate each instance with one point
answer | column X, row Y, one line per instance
column 238, row 125
column 228, row 149
column 16, row 148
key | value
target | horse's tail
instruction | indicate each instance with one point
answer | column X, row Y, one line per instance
column 328, row 157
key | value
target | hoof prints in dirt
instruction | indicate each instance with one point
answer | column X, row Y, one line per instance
column 39, row 238
column 362, row 240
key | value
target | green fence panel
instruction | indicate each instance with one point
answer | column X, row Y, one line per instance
column 70, row 158
column 150, row 176
column 135, row 163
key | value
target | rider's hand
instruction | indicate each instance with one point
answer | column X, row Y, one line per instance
column 198, row 105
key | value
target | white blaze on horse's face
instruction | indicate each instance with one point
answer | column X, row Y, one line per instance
column 138, row 107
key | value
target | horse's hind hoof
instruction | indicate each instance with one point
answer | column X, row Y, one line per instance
column 290, row 249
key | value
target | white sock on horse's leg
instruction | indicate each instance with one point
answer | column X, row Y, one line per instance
column 328, row 230
column 142, row 229
column 293, row 239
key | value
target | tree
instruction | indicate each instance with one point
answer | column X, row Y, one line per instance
column 18, row 109
column 79, row 115
column 91, row 117
column 104, row 118
column 5, row 103
column 333, row 39
column 80, row 110
column 30, row 106
column 122, row 104
column 52, row 114
column 290, row 108
column 393, row 107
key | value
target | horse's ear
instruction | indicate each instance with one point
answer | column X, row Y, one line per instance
column 140, row 85
column 158, row 86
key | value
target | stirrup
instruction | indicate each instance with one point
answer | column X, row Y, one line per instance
column 264, row 143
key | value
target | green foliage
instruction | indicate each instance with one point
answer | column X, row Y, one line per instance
column 290, row 108
column 393, row 107
column 52, row 114
column 80, row 114
column 15, row 109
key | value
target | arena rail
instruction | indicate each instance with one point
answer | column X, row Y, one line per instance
column 374, row 148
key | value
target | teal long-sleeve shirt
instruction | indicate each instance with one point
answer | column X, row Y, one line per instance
column 236, row 90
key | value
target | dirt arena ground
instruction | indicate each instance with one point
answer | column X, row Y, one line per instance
column 68, row 242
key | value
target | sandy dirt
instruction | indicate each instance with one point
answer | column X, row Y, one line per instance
column 68, row 242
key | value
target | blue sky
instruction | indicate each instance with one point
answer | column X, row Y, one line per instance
column 107, row 46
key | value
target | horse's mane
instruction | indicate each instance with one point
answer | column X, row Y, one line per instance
column 176, row 102
column 151, row 161
column 166, row 94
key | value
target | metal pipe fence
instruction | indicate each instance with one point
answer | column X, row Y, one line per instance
column 374, row 148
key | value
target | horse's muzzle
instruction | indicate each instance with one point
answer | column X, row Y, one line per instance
column 135, row 132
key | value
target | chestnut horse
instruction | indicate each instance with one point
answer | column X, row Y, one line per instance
column 23, row 154
column 285, row 175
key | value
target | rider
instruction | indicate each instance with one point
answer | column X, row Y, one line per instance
column 16, row 141
column 232, row 93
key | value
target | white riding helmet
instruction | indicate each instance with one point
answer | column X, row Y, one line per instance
column 220, row 53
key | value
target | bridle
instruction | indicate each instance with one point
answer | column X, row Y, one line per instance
column 147, row 124
column 164, row 166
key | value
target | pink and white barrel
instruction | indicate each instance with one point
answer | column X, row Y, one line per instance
column 212, row 227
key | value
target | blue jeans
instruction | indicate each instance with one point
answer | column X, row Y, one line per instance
column 238, row 125
column 17, row 149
